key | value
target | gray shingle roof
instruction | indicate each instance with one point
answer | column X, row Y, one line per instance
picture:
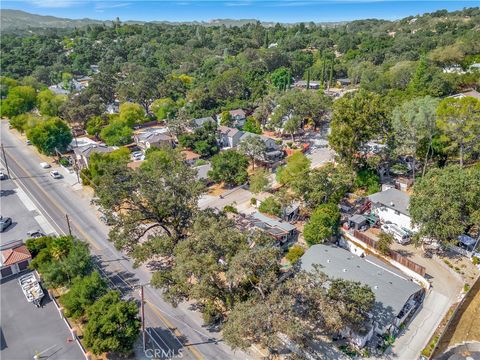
column 391, row 289
column 274, row 223
column 393, row 199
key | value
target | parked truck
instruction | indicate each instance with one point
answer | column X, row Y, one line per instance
column 31, row 288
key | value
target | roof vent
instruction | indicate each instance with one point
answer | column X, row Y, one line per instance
column 375, row 287
column 391, row 203
column 328, row 261
column 344, row 270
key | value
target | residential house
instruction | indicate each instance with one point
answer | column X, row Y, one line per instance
column 273, row 153
column 396, row 296
column 82, row 154
column 312, row 84
column 344, row 82
column 229, row 137
column 238, row 117
column 83, row 81
column 282, row 231
column 113, row 108
column 153, row 137
column 58, row 89
column 190, row 157
column 80, row 142
column 391, row 206
column 202, row 171
column 14, row 258
column 196, row 123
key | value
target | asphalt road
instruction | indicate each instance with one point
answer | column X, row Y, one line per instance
column 55, row 199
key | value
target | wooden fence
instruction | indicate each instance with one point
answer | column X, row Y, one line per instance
column 393, row 254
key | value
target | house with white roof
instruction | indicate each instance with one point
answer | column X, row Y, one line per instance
column 391, row 206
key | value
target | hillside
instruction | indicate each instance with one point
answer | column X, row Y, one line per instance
column 18, row 21
column 11, row 20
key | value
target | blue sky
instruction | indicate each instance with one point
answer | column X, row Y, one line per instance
column 270, row 10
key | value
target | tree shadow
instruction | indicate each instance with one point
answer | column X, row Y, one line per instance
column 163, row 343
column 404, row 252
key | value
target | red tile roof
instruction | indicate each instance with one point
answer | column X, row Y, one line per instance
column 15, row 255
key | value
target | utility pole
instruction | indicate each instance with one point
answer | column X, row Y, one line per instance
column 68, row 224
column 142, row 316
column 5, row 159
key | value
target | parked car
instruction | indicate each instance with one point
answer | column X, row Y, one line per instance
column 138, row 155
column 55, row 174
column 28, row 142
column 400, row 236
column 5, row 222
column 34, row 234
column 3, row 176
column 45, row 165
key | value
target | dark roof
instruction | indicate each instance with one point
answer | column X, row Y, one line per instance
column 393, row 199
column 87, row 150
column 391, row 288
column 153, row 137
column 358, row 219
column 201, row 121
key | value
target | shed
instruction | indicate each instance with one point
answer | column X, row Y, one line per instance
column 357, row 222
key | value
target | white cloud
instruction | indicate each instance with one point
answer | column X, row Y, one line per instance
column 111, row 5
column 55, row 3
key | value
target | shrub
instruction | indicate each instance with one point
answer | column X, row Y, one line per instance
column 384, row 242
column 253, row 201
column 230, row 209
column 475, row 260
column 270, row 206
column 83, row 293
column 295, row 253
column 466, row 287
column 64, row 162
column 322, row 225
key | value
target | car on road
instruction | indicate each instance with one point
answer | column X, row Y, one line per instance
column 34, row 234
column 5, row 222
column 3, row 176
column 45, row 165
column 55, row 174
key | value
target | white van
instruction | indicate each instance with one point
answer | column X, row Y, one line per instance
column 400, row 235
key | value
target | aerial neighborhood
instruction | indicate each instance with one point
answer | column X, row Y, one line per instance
column 240, row 189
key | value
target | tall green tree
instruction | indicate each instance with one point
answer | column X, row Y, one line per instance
column 297, row 167
column 254, row 148
column 50, row 135
column 414, row 124
column 356, row 120
column 50, row 104
column 258, row 181
column 158, row 199
column 459, row 121
column 113, row 325
column 322, row 225
column 230, row 167
column 445, row 202
column 82, row 294
column 20, row 99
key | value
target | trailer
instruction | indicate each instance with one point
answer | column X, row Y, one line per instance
column 31, row 288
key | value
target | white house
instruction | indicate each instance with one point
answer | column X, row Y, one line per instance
column 391, row 206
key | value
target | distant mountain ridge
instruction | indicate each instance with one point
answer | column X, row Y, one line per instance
column 17, row 20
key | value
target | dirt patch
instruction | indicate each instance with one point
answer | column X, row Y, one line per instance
column 464, row 325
